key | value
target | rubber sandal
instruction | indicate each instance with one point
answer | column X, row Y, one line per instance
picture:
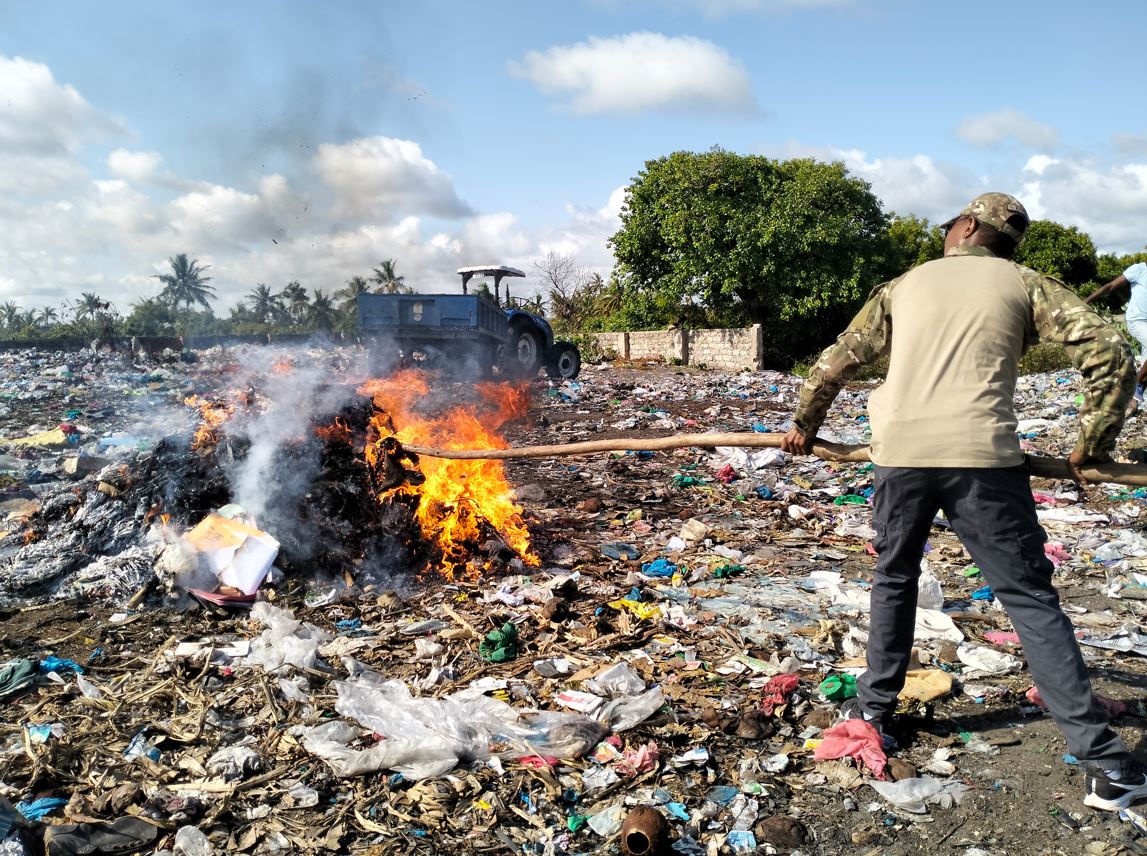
column 122, row 835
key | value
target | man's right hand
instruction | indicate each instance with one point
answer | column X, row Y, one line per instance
column 1078, row 459
column 796, row 443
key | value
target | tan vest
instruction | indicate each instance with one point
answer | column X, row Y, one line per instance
column 959, row 325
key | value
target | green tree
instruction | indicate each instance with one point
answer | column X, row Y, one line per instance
column 265, row 305
column 46, row 317
column 90, row 305
column 10, row 316
column 913, row 242
column 296, row 302
column 348, row 294
column 794, row 245
column 386, row 275
column 323, row 315
column 150, row 317
column 186, row 283
column 1060, row 251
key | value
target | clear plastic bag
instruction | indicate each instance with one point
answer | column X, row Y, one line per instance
column 286, row 641
column 426, row 737
column 626, row 713
column 616, row 681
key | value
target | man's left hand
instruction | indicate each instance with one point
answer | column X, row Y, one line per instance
column 796, row 443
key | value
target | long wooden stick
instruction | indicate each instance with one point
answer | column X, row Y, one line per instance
column 1052, row 468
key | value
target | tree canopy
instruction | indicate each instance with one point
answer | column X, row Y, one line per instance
column 1060, row 251
column 186, row 283
column 794, row 244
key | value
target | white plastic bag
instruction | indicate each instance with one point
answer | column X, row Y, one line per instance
column 286, row 641
column 986, row 661
column 930, row 595
column 914, row 795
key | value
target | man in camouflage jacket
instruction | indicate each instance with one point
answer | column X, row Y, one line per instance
column 944, row 438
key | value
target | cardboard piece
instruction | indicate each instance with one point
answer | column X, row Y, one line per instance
column 238, row 553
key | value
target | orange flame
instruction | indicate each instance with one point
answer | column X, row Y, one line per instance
column 339, row 432
column 456, row 496
column 213, row 414
column 285, row 366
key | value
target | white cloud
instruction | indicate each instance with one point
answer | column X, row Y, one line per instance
column 134, row 166
column 381, row 177
column 41, row 116
column 1109, row 202
column 992, row 129
column 640, row 71
column 916, row 185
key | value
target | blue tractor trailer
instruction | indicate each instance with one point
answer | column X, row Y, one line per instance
column 466, row 334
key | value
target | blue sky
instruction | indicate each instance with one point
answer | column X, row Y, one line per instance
column 303, row 140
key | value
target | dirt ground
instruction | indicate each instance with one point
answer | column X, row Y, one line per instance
column 1025, row 800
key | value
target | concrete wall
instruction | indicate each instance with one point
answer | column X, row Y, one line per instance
column 728, row 350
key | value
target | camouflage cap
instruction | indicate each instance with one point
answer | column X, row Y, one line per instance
column 996, row 209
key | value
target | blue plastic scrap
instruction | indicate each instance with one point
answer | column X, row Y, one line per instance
column 659, row 568
column 38, row 809
column 55, row 664
column 983, row 593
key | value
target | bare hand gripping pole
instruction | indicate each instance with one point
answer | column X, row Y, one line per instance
column 1051, row 468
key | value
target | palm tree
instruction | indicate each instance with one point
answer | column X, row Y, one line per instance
column 10, row 316
column 295, row 300
column 323, row 313
column 46, row 317
column 389, row 282
column 186, row 283
column 90, row 305
column 611, row 298
column 265, row 306
column 348, row 294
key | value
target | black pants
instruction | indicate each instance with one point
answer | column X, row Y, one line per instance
column 993, row 514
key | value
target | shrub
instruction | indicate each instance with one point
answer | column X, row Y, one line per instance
column 1045, row 357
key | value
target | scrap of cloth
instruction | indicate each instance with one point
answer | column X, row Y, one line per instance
column 854, row 738
column 777, row 691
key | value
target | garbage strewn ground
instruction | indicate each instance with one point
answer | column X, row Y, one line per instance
column 694, row 623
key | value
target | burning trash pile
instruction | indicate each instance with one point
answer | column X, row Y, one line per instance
column 638, row 653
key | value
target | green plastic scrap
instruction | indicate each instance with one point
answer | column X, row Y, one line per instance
column 726, row 571
column 971, row 571
column 500, row 645
column 576, row 821
column 850, row 499
column 686, row 481
column 838, row 687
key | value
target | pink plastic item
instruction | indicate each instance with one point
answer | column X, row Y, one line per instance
column 854, row 738
column 1114, row 707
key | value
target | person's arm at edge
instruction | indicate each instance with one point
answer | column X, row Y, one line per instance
column 868, row 337
column 1104, row 289
column 1100, row 354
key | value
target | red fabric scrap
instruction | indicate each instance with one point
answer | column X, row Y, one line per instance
column 727, row 474
column 854, row 738
column 1114, row 707
column 777, row 691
